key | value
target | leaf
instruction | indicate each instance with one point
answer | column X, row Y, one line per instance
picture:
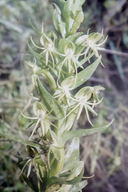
column 76, row 15
column 55, row 166
column 86, row 59
column 56, row 16
column 35, row 181
column 65, row 12
column 39, row 160
column 18, row 139
column 61, row 44
column 77, row 173
column 78, row 133
column 70, row 120
column 31, row 124
column 57, row 20
column 74, row 36
column 41, row 59
column 32, row 180
column 68, row 16
column 65, row 174
column 38, row 32
column 50, row 79
column 59, row 180
column 56, row 151
column 36, row 55
column 77, row 21
column 85, row 74
column 72, row 155
column 77, row 187
column 30, row 183
column 49, row 102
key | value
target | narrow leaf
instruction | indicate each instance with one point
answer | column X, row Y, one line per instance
column 85, row 74
column 31, row 184
column 18, row 139
column 38, row 32
column 77, row 187
column 78, row 133
column 50, row 79
column 59, row 180
column 31, row 124
column 86, row 59
column 75, row 180
column 36, row 55
column 57, row 20
column 72, row 155
column 49, row 102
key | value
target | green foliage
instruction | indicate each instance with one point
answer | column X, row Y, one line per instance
column 67, row 19
column 62, row 55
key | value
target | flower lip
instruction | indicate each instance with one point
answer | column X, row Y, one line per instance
column 83, row 99
column 49, row 47
column 69, row 52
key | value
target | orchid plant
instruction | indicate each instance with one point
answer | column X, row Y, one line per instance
column 53, row 147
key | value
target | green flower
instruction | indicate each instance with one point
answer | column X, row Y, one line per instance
column 92, row 42
column 35, row 160
column 70, row 60
column 35, row 70
column 82, row 101
column 47, row 47
column 42, row 118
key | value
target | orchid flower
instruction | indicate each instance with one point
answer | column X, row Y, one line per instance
column 42, row 118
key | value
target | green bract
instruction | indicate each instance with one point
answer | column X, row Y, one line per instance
column 57, row 58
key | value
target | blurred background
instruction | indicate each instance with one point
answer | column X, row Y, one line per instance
column 105, row 154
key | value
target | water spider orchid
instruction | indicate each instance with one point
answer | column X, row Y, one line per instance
column 95, row 92
column 33, row 160
column 70, row 60
column 35, row 70
column 82, row 101
column 63, row 92
column 92, row 43
column 63, row 62
column 48, row 47
column 42, row 118
column 29, row 162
